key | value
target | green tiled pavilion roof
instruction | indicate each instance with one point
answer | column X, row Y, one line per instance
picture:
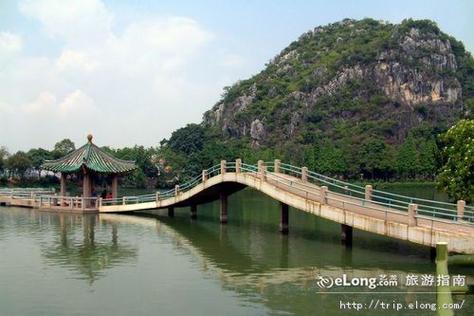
column 92, row 157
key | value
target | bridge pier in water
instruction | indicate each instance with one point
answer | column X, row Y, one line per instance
column 284, row 218
column 193, row 211
column 171, row 211
column 346, row 235
column 223, row 214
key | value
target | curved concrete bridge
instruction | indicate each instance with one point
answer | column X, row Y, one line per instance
column 421, row 221
column 416, row 220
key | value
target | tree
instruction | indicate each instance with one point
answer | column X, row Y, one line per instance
column 457, row 174
column 63, row 147
column 188, row 139
column 37, row 157
column 18, row 164
column 3, row 157
column 329, row 159
column 374, row 158
column 407, row 162
column 428, row 157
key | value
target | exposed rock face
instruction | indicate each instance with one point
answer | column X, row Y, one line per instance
column 407, row 75
column 257, row 133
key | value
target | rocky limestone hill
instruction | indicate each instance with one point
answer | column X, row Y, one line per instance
column 355, row 99
column 350, row 81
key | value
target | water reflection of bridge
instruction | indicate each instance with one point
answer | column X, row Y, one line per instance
column 219, row 253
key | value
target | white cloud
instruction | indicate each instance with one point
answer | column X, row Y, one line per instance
column 154, row 75
column 77, row 103
column 45, row 102
column 78, row 22
column 71, row 60
column 10, row 43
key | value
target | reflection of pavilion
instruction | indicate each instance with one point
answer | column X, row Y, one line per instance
column 88, row 257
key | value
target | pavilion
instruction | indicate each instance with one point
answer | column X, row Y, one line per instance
column 88, row 162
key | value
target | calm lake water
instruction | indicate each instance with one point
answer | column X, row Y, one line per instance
column 149, row 264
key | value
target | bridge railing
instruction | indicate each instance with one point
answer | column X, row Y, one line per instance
column 433, row 208
column 25, row 193
column 339, row 191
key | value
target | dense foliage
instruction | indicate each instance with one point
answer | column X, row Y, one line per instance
column 457, row 173
column 24, row 169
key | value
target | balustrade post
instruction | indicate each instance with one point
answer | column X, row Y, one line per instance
column 71, row 203
column 238, row 164
column 412, row 208
column 304, row 174
column 124, row 200
column 176, row 190
column 83, row 205
column 204, row 175
column 323, row 193
column 368, row 192
column 276, row 165
column 223, row 166
column 261, row 169
column 100, row 202
column 461, row 205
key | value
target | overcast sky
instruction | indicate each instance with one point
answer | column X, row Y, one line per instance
column 131, row 72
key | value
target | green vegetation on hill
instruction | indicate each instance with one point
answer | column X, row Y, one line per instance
column 353, row 99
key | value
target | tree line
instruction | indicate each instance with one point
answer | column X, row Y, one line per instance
column 449, row 159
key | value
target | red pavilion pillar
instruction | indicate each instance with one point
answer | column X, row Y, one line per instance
column 114, row 186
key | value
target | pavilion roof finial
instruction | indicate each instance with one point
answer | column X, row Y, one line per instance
column 89, row 138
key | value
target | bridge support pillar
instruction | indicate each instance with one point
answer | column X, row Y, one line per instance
column 284, row 218
column 346, row 235
column 193, row 211
column 461, row 205
column 433, row 254
column 276, row 165
column 170, row 211
column 368, row 192
column 223, row 214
